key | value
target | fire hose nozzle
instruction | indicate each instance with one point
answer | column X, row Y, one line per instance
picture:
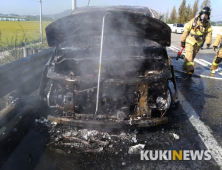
column 179, row 54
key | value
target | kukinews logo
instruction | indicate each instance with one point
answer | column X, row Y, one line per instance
column 175, row 155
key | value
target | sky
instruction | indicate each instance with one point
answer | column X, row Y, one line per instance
column 31, row 7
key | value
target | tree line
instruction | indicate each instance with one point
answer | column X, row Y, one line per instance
column 184, row 13
column 36, row 18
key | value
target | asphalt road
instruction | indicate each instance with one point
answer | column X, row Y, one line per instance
column 194, row 125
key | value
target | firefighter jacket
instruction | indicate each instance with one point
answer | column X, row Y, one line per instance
column 218, row 39
column 192, row 36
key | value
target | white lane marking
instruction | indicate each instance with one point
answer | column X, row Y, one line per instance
column 202, row 76
column 200, row 61
column 204, row 132
column 206, row 62
column 175, row 49
column 219, row 69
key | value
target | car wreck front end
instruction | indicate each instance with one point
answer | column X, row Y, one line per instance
column 135, row 68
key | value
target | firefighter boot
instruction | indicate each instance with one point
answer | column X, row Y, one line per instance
column 212, row 71
column 190, row 74
column 216, row 61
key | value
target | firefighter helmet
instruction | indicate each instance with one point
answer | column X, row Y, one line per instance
column 204, row 14
column 206, row 10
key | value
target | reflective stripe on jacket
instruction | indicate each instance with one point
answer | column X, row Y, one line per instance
column 192, row 43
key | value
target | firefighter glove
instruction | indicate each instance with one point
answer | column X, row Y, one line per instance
column 215, row 47
column 183, row 44
column 208, row 46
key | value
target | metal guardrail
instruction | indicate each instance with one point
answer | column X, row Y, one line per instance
column 24, row 73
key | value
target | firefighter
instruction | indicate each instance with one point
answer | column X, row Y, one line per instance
column 218, row 57
column 192, row 37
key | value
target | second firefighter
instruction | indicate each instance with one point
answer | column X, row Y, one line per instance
column 218, row 57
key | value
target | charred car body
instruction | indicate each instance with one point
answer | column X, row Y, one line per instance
column 135, row 70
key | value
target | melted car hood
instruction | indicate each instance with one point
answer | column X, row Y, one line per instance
column 130, row 21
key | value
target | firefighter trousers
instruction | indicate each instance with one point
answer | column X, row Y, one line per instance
column 191, row 52
column 217, row 60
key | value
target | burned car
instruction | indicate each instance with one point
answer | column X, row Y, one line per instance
column 109, row 66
